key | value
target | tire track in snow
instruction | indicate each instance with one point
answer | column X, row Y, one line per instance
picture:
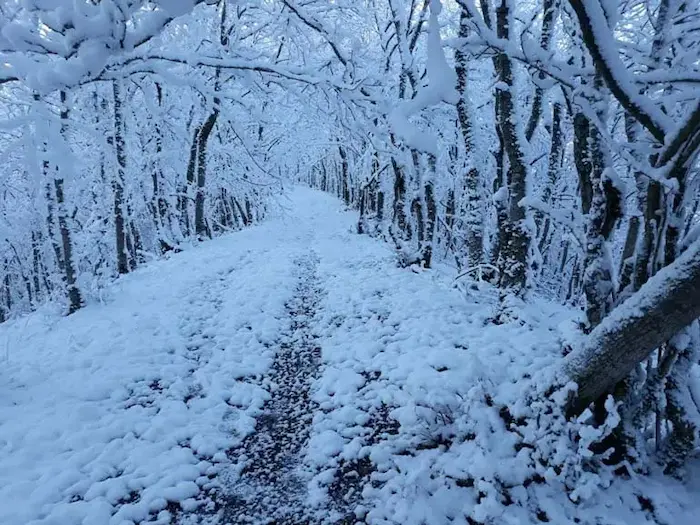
column 271, row 487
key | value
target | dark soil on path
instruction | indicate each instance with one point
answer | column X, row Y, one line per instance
column 272, row 486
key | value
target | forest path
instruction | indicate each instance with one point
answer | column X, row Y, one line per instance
column 288, row 374
column 270, row 485
column 284, row 374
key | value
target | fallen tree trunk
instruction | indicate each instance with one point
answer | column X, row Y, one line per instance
column 666, row 304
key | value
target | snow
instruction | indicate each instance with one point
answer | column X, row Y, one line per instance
column 607, row 47
column 111, row 413
column 82, row 38
column 441, row 87
column 141, row 392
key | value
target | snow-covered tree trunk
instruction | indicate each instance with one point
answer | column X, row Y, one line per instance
column 38, row 268
column 605, row 211
column 556, row 154
column 75, row 300
column 187, row 191
column 471, row 206
column 549, row 10
column 514, row 236
column 118, row 180
column 344, row 176
column 200, row 224
column 159, row 203
column 665, row 305
column 400, row 229
column 681, row 409
column 430, row 213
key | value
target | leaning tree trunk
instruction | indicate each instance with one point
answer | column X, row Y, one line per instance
column 666, row 304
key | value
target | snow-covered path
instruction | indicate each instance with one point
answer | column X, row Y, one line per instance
column 287, row 373
column 268, row 483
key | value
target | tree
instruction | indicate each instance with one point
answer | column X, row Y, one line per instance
column 663, row 306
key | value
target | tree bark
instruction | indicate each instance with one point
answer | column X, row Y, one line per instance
column 605, row 211
column 514, row 236
column 75, row 300
column 471, row 208
column 159, row 203
column 556, row 155
column 548, row 11
column 430, row 213
column 186, row 193
column 582, row 160
column 344, row 181
column 200, row 224
column 666, row 304
column 399, row 204
column 118, row 181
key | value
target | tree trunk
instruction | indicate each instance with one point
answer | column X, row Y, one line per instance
column 159, row 203
column 244, row 216
column 75, row 300
column 430, row 214
column 471, row 208
column 556, row 155
column 681, row 441
column 200, row 224
column 666, row 304
column 118, row 182
column 37, row 264
column 627, row 259
column 187, row 192
column 362, row 221
column 399, row 205
column 548, row 11
column 344, row 176
column 514, row 235
column 604, row 213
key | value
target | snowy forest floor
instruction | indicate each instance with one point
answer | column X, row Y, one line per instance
column 289, row 373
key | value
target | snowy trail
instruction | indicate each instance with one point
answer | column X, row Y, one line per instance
column 292, row 374
column 270, row 486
